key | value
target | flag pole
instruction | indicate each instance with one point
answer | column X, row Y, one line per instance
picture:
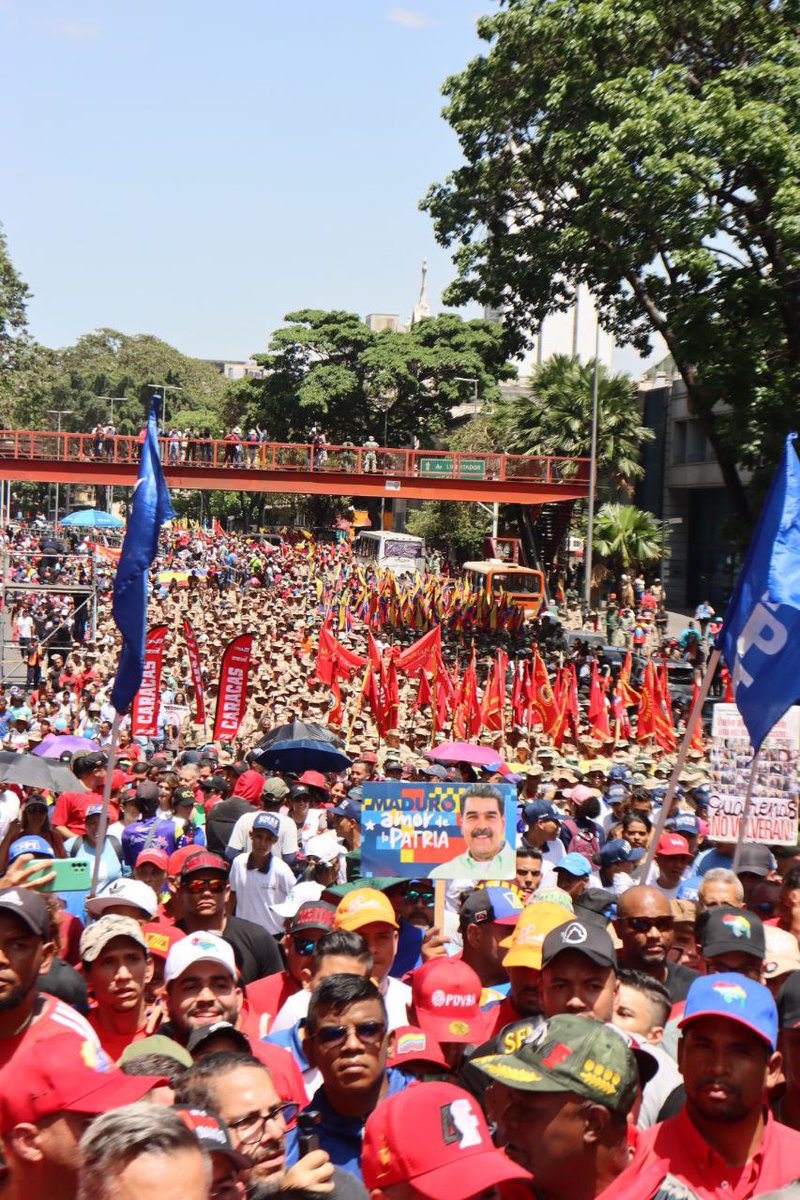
column 101, row 832
column 694, row 717
column 748, row 797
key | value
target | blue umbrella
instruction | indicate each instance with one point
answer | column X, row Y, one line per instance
column 301, row 746
column 93, row 518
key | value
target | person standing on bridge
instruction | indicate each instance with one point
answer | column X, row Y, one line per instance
column 370, row 459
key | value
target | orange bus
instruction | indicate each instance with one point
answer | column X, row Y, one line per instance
column 524, row 585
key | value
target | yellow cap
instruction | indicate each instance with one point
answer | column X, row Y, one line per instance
column 364, row 906
column 535, row 922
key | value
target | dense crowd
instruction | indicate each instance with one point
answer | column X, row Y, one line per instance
column 239, row 1010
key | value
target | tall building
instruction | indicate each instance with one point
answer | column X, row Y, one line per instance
column 571, row 332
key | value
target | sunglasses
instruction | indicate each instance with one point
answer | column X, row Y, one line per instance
column 369, row 1033
column 196, row 886
column 304, row 947
column 415, row 896
column 645, row 924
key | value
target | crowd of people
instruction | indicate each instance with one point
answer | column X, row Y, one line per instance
column 238, row 1009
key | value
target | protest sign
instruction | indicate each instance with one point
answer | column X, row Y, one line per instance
column 773, row 813
column 439, row 830
column 175, row 714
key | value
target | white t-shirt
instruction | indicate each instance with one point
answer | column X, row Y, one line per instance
column 257, row 892
column 287, row 835
column 396, row 997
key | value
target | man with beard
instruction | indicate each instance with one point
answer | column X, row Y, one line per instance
column 645, row 926
column 238, row 1087
column 201, row 987
column 723, row 1144
column 488, row 854
column 413, row 903
column 26, row 952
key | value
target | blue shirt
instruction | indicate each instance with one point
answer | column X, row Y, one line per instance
column 134, row 838
column 341, row 1136
column 408, row 954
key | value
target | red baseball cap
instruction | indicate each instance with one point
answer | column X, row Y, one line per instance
column 67, row 1074
column 410, row 1044
column 160, row 935
column 451, row 1153
column 313, row 779
column 446, row 996
column 155, row 856
column 673, row 843
column 202, row 861
column 119, row 779
column 178, row 858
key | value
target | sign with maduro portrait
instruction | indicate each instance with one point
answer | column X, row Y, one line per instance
column 773, row 809
column 439, row 830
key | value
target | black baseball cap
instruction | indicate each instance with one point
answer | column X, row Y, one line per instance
column 211, row 1132
column 147, row 791
column 733, row 930
column 214, row 783
column 788, row 1001
column 587, row 937
column 183, row 795
column 497, row 904
column 755, row 860
column 30, row 907
column 222, row 1028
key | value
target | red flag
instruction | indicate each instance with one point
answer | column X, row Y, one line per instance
column 622, row 724
column 218, row 530
column 520, row 673
column 144, row 714
column 597, row 712
column 421, row 655
column 645, row 713
column 335, row 711
column 665, row 729
column 370, row 694
column 627, row 694
column 490, row 702
column 232, row 699
column 373, row 651
column 389, row 697
column 424, row 694
column 696, row 740
column 333, row 656
column 467, row 715
column 543, row 703
column 194, row 667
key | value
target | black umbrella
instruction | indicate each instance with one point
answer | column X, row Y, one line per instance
column 296, row 731
column 301, row 746
column 28, row 770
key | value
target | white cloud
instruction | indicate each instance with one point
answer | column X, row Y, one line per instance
column 72, row 30
column 408, row 18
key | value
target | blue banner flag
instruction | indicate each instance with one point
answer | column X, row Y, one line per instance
column 760, row 636
column 149, row 510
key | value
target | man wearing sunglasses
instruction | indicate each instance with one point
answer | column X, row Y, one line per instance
column 346, row 1039
column 203, row 901
column 645, row 926
column 310, row 922
column 413, row 904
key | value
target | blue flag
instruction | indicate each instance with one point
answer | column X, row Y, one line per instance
column 760, row 636
column 150, row 509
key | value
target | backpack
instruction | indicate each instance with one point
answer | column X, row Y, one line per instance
column 580, row 841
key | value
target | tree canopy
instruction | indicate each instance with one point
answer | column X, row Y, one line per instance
column 330, row 369
column 651, row 151
column 14, row 296
column 626, row 536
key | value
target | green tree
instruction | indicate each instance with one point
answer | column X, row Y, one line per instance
column 457, row 529
column 626, row 537
column 329, row 368
column 14, row 296
column 651, row 151
column 556, row 418
column 109, row 363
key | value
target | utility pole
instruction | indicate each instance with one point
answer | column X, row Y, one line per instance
column 164, row 388
column 58, row 412
column 110, row 487
column 587, row 556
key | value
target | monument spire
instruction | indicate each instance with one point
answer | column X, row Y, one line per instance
column 422, row 309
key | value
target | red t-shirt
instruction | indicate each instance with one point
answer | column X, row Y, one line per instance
column 675, row 1147
column 114, row 1043
column 70, row 810
column 69, row 932
column 265, row 998
column 53, row 1017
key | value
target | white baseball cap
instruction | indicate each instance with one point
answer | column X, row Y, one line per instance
column 325, row 847
column 124, row 891
column 301, row 893
column 198, row 947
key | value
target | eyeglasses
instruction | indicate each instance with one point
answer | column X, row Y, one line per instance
column 369, row 1033
column 416, row 896
column 196, row 886
column 645, row 924
column 303, row 946
column 253, row 1127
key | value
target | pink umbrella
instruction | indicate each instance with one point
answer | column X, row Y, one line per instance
column 464, row 752
column 56, row 744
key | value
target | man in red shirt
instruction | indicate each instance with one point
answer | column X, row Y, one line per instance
column 117, row 967
column 69, row 812
column 266, row 997
column 723, row 1144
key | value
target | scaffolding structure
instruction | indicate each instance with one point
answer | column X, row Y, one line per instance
column 13, row 668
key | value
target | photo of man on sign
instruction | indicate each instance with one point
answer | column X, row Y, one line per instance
column 438, row 830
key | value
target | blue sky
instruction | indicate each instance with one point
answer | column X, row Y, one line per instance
column 196, row 170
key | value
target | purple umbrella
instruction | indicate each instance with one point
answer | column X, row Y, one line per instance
column 464, row 752
column 56, row 744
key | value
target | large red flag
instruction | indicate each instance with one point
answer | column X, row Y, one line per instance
column 627, row 694
column 232, row 699
column 335, row 711
column 389, row 695
column 194, row 667
column 597, row 711
column 331, row 654
column 517, row 691
column 491, row 707
column 467, row 715
column 424, row 695
column 646, row 712
column 421, row 655
column 665, row 730
column 696, row 740
column 144, row 714
column 542, row 699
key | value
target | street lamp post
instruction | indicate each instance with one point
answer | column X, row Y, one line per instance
column 475, row 403
column 164, row 388
column 110, row 488
column 587, row 558
column 58, row 412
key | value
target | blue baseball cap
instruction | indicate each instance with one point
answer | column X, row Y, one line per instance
column 30, row 844
column 616, row 793
column 619, row 773
column 94, row 810
column 498, row 904
column 268, row 821
column 349, row 807
column 736, row 997
column 618, row 850
column 574, row 864
column 685, row 823
column 541, row 810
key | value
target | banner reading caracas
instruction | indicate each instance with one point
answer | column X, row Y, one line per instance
column 438, row 830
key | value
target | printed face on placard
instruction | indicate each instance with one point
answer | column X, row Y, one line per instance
column 438, row 830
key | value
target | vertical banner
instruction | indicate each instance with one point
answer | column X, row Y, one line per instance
column 773, row 809
column 144, row 715
column 232, row 698
column 194, row 667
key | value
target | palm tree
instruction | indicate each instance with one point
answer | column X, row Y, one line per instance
column 626, row 537
column 556, row 417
